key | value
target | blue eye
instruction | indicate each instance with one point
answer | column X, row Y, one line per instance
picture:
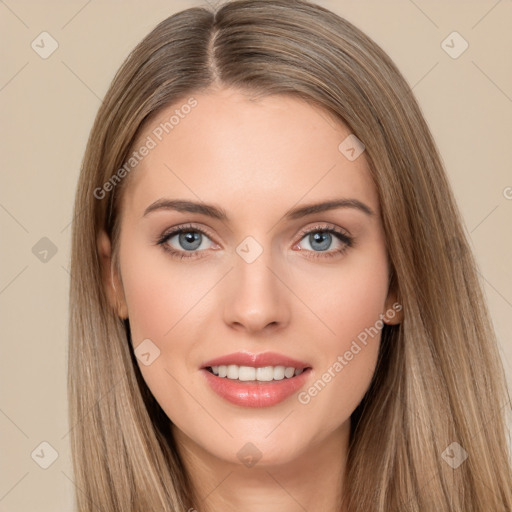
column 321, row 238
column 190, row 240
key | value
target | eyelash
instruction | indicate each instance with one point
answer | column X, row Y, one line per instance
column 341, row 236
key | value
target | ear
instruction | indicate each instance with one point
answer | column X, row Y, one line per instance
column 394, row 310
column 110, row 278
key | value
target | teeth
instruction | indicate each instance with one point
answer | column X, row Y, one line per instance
column 250, row 373
column 265, row 374
column 245, row 373
column 232, row 371
column 289, row 372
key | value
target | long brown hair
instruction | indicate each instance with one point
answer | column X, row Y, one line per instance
column 439, row 379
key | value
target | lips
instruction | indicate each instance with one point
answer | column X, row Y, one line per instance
column 256, row 360
column 256, row 393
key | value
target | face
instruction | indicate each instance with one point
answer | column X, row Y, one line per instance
column 249, row 284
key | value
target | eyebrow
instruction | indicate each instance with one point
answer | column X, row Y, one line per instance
column 216, row 212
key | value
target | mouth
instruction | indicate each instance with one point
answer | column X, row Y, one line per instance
column 263, row 367
column 256, row 380
column 255, row 374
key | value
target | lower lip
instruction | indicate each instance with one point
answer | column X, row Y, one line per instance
column 255, row 394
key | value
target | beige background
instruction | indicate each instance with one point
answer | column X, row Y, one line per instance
column 48, row 106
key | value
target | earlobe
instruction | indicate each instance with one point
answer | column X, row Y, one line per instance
column 110, row 278
column 394, row 310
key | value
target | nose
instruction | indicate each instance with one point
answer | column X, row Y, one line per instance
column 257, row 298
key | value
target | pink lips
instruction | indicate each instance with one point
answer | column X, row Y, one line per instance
column 254, row 393
column 256, row 360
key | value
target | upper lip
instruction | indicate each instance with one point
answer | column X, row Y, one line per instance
column 256, row 360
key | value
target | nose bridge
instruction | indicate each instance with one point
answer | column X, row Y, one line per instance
column 257, row 296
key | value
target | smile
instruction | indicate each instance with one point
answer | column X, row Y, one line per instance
column 254, row 392
column 251, row 373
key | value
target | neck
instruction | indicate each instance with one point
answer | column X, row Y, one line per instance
column 312, row 481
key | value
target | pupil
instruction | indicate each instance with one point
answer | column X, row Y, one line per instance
column 318, row 237
column 191, row 238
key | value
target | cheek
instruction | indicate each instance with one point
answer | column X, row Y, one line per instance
column 357, row 303
column 151, row 305
column 166, row 302
column 160, row 293
column 350, row 308
column 347, row 298
column 163, row 299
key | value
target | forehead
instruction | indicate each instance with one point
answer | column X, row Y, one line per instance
column 232, row 149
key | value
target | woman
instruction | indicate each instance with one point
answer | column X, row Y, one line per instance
column 273, row 303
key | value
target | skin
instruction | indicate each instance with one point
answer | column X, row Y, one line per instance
column 256, row 159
